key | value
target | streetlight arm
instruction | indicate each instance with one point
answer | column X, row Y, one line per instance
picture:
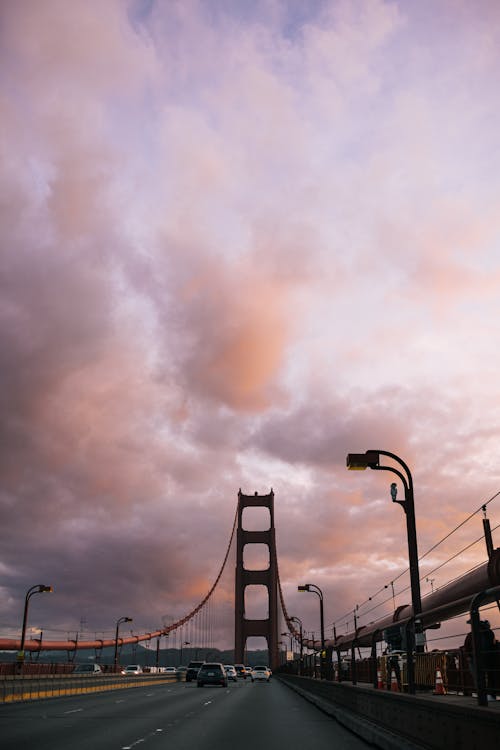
column 315, row 589
column 118, row 623
column 36, row 589
column 400, row 462
column 403, row 503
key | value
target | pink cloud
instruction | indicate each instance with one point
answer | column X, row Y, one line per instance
column 234, row 249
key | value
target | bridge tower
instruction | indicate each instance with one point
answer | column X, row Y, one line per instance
column 269, row 578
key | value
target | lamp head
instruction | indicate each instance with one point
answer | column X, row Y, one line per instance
column 394, row 491
column 41, row 588
column 362, row 461
column 303, row 588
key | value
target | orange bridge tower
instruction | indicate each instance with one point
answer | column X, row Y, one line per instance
column 268, row 627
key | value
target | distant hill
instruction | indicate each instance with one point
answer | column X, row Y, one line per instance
column 138, row 654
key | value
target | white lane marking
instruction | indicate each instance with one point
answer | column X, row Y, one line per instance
column 139, row 741
column 121, row 701
column 207, row 703
column 74, row 711
column 148, row 695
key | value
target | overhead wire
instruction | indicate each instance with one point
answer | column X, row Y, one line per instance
column 482, row 507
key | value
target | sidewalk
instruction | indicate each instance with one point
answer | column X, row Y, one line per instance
column 394, row 720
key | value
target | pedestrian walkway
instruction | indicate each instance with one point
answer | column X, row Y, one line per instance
column 396, row 720
column 456, row 699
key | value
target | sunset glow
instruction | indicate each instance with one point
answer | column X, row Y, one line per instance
column 239, row 241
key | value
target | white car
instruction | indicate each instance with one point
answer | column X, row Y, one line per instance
column 88, row 669
column 260, row 673
column 132, row 669
column 169, row 670
column 231, row 672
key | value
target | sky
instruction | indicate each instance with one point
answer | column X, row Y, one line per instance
column 240, row 240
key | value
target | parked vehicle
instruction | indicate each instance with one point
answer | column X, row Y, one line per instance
column 169, row 670
column 88, row 669
column 193, row 669
column 212, row 673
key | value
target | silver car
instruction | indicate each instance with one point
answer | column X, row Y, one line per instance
column 260, row 673
column 231, row 672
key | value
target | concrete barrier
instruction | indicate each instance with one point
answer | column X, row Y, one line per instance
column 28, row 688
column 397, row 721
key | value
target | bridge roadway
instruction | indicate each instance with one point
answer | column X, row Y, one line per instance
column 245, row 716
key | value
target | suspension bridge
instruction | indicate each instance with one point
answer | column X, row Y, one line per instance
column 442, row 604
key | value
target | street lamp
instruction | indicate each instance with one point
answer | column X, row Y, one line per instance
column 316, row 590
column 37, row 589
column 299, row 621
column 371, row 459
column 118, row 623
column 290, row 636
column 186, row 643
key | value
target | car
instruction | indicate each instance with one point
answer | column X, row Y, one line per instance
column 241, row 670
column 231, row 672
column 212, row 673
column 88, row 669
column 193, row 669
column 260, row 673
column 169, row 670
column 132, row 669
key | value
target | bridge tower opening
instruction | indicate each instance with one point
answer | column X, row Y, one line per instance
column 268, row 577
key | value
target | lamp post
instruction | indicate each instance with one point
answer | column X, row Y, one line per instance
column 39, row 588
column 299, row 621
column 289, row 636
column 118, row 623
column 279, row 644
column 371, row 460
column 186, row 643
column 316, row 590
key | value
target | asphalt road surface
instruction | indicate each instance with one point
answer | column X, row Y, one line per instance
column 177, row 716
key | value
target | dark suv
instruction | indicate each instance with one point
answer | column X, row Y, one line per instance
column 212, row 673
column 193, row 669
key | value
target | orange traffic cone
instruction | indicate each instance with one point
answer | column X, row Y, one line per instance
column 394, row 682
column 380, row 682
column 439, row 689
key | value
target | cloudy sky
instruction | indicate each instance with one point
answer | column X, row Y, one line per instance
column 238, row 241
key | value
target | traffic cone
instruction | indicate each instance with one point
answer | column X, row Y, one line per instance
column 380, row 682
column 439, row 689
column 394, row 682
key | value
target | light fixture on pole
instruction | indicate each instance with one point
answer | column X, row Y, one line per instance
column 118, row 623
column 316, row 590
column 299, row 621
column 371, row 460
column 184, row 643
column 39, row 588
column 289, row 636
